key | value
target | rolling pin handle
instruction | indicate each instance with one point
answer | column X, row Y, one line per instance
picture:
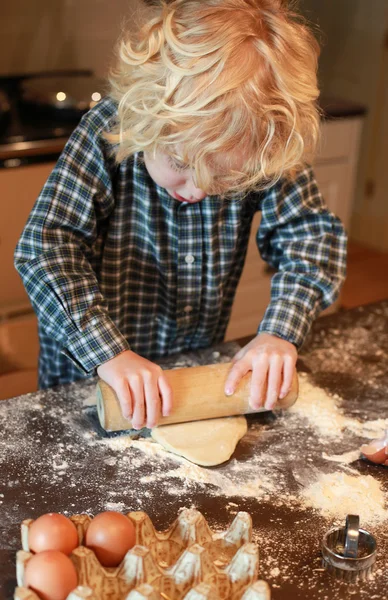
column 194, row 397
column 109, row 409
column 100, row 406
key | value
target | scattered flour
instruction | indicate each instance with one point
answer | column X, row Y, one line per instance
column 337, row 495
column 261, row 474
column 60, row 467
column 324, row 413
column 116, row 506
column 345, row 459
column 321, row 410
column 229, row 486
column 244, row 481
column 370, row 429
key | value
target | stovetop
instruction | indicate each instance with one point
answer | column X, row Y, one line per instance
column 27, row 131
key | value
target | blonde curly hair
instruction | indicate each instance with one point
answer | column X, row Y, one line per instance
column 211, row 77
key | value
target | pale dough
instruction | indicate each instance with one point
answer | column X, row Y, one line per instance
column 205, row 443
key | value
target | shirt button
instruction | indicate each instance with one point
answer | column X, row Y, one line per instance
column 189, row 259
column 188, row 309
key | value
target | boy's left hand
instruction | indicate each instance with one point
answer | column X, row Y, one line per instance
column 271, row 360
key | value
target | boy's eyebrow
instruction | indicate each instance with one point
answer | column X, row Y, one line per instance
column 215, row 167
column 219, row 171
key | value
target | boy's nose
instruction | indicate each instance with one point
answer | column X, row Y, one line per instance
column 197, row 193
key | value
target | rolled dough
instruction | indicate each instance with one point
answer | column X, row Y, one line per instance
column 205, row 443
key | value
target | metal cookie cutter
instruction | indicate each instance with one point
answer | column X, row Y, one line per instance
column 349, row 553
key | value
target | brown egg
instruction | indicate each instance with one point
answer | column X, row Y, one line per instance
column 376, row 452
column 110, row 535
column 51, row 574
column 53, row 532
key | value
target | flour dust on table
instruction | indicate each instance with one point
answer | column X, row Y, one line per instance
column 52, row 459
column 319, row 441
column 315, row 422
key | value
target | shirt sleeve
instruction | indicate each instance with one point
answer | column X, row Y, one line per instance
column 306, row 243
column 57, row 249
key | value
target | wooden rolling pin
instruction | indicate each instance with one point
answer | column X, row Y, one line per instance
column 198, row 393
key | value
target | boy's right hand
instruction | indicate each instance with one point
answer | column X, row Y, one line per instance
column 141, row 387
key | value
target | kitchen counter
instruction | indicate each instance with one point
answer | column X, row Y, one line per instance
column 338, row 108
column 53, row 457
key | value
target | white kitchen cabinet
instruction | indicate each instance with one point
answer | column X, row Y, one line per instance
column 335, row 184
column 335, row 167
column 335, row 172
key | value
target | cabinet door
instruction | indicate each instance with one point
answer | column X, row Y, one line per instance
column 18, row 383
column 19, row 349
column 335, row 185
column 253, row 292
column 336, row 164
column 19, row 188
column 339, row 140
column 19, row 344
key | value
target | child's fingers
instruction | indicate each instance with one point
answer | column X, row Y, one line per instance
column 124, row 397
column 275, row 373
column 288, row 373
column 137, row 390
column 238, row 371
column 258, row 381
column 152, row 400
column 239, row 355
column 166, row 395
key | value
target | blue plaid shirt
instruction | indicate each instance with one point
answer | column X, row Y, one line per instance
column 111, row 261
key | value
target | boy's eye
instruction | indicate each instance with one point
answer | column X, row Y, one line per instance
column 177, row 165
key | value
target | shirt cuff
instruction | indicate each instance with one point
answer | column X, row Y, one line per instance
column 91, row 348
column 287, row 320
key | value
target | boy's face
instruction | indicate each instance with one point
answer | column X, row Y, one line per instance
column 175, row 177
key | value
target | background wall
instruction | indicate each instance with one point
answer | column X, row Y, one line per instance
column 60, row 34
column 354, row 65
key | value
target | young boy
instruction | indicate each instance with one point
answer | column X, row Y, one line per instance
column 135, row 246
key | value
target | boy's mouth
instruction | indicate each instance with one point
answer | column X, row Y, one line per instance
column 181, row 199
column 178, row 197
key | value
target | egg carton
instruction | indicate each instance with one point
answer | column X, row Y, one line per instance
column 186, row 562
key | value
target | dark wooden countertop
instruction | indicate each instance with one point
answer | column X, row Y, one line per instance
column 52, row 458
column 338, row 108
